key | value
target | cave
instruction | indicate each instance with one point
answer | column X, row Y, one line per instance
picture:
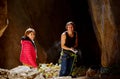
column 48, row 18
column 96, row 21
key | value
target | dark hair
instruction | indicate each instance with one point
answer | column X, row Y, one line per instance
column 70, row 23
column 29, row 30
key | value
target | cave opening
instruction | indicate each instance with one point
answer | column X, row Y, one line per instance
column 77, row 11
column 80, row 14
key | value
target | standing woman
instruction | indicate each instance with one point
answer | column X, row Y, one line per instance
column 28, row 49
column 69, row 41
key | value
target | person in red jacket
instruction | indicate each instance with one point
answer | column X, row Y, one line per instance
column 28, row 49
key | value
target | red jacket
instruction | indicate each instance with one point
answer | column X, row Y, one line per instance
column 28, row 53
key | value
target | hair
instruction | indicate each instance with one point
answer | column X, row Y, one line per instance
column 28, row 31
column 70, row 23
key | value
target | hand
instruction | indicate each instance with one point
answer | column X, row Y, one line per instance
column 74, row 50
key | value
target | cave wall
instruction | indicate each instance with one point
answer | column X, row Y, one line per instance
column 3, row 16
column 106, row 29
column 42, row 15
column 3, row 26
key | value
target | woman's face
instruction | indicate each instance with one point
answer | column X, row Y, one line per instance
column 70, row 27
column 31, row 35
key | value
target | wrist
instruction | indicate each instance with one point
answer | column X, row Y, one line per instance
column 71, row 49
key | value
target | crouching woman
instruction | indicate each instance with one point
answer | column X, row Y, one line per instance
column 28, row 49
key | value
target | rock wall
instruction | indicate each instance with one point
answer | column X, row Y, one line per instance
column 106, row 30
column 3, row 24
column 42, row 15
column 3, row 16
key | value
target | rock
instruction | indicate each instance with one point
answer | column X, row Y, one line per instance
column 106, row 29
column 67, row 77
column 4, row 73
column 3, row 16
column 45, row 71
column 23, row 72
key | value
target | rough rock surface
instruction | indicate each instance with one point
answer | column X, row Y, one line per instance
column 107, row 30
column 45, row 71
column 3, row 16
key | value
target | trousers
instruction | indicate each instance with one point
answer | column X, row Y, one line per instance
column 67, row 62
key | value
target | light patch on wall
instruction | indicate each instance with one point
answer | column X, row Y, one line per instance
column 4, row 27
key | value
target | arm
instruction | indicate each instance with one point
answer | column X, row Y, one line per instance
column 63, row 38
